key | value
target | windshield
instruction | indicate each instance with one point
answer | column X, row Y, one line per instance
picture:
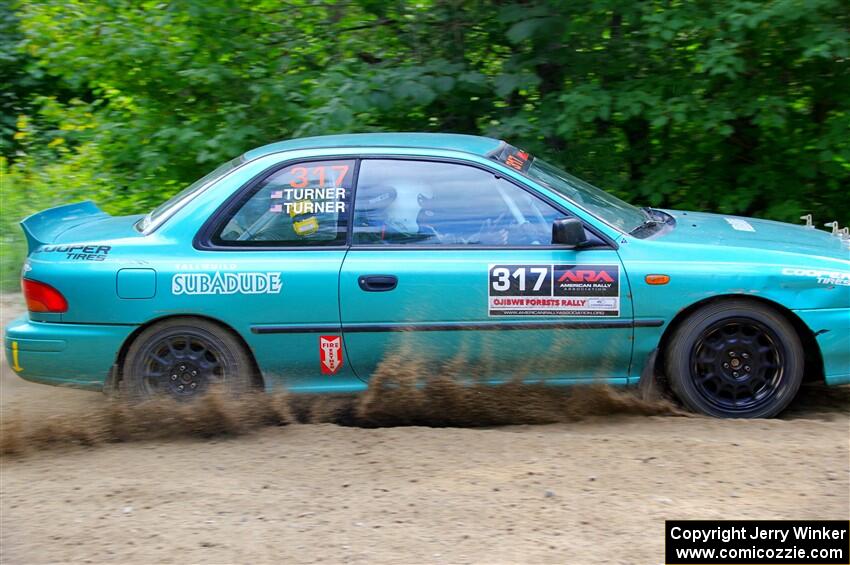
column 177, row 201
column 606, row 207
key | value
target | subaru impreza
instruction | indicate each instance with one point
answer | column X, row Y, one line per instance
column 311, row 262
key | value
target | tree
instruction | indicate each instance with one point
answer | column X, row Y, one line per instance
column 735, row 106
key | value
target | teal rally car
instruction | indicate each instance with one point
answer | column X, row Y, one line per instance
column 314, row 263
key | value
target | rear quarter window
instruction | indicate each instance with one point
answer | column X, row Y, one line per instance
column 167, row 208
column 304, row 204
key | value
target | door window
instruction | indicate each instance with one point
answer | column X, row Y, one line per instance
column 429, row 203
column 300, row 205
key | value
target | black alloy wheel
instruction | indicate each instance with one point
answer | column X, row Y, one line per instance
column 737, row 364
column 183, row 358
column 735, row 359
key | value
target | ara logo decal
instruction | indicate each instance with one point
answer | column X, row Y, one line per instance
column 589, row 281
column 330, row 353
column 582, row 275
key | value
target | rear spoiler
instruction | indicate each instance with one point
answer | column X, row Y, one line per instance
column 44, row 227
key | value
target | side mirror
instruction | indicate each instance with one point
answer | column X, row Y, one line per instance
column 569, row 232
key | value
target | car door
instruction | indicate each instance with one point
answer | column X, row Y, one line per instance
column 269, row 265
column 452, row 271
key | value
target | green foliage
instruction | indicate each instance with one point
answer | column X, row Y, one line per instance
column 735, row 106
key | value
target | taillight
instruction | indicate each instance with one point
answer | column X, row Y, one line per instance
column 42, row 297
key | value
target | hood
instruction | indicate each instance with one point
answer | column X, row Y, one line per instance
column 763, row 235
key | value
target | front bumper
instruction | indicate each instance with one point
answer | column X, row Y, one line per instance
column 831, row 327
column 75, row 355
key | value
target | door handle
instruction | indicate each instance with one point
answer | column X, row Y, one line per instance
column 377, row 283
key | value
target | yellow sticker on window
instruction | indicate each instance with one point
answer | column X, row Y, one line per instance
column 306, row 227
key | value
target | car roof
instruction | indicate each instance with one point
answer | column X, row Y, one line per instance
column 449, row 141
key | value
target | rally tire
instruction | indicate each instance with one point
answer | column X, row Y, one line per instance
column 735, row 359
column 184, row 358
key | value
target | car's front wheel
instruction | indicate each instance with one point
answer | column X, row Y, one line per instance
column 183, row 358
column 735, row 359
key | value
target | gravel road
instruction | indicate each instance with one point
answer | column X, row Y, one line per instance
column 592, row 491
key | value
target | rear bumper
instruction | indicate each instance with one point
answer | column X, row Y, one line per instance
column 75, row 355
column 831, row 327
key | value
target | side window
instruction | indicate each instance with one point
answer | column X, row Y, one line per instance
column 427, row 203
column 302, row 204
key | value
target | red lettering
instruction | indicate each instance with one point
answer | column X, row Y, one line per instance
column 582, row 275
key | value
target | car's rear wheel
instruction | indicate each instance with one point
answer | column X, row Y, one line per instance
column 183, row 358
column 735, row 359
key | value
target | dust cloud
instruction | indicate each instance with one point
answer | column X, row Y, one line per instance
column 397, row 396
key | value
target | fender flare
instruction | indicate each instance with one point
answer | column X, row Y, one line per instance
column 813, row 370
